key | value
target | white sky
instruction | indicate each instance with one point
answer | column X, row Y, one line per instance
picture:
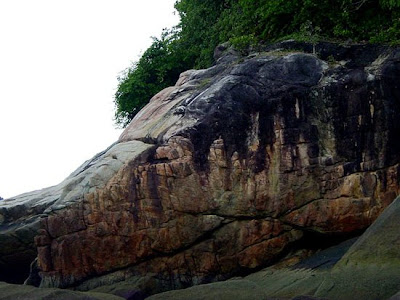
column 59, row 62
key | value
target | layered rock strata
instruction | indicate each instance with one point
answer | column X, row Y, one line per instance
column 230, row 169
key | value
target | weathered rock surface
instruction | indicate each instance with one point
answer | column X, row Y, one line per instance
column 13, row 292
column 365, row 269
column 225, row 173
column 20, row 216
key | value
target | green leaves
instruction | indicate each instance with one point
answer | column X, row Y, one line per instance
column 159, row 67
column 207, row 23
column 390, row 4
column 199, row 32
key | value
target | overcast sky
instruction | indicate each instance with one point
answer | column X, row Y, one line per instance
column 59, row 62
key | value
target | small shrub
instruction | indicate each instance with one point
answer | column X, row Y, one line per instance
column 243, row 43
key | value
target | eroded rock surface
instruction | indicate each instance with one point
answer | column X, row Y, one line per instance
column 358, row 269
column 229, row 170
column 20, row 216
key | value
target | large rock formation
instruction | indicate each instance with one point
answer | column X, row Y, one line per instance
column 224, row 173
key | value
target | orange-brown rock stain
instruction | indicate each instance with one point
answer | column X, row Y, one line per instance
column 165, row 217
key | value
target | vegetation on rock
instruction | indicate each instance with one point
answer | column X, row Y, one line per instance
column 159, row 67
column 206, row 23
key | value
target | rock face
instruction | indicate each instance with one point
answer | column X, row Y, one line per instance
column 226, row 172
column 363, row 269
column 20, row 216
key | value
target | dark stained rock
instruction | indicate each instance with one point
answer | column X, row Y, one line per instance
column 225, row 173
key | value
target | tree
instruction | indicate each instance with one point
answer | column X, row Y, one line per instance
column 199, row 30
column 159, row 67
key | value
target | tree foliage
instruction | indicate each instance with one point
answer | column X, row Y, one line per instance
column 359, row 20
column 159, row 67
column 206, row 23
column 199, row 28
